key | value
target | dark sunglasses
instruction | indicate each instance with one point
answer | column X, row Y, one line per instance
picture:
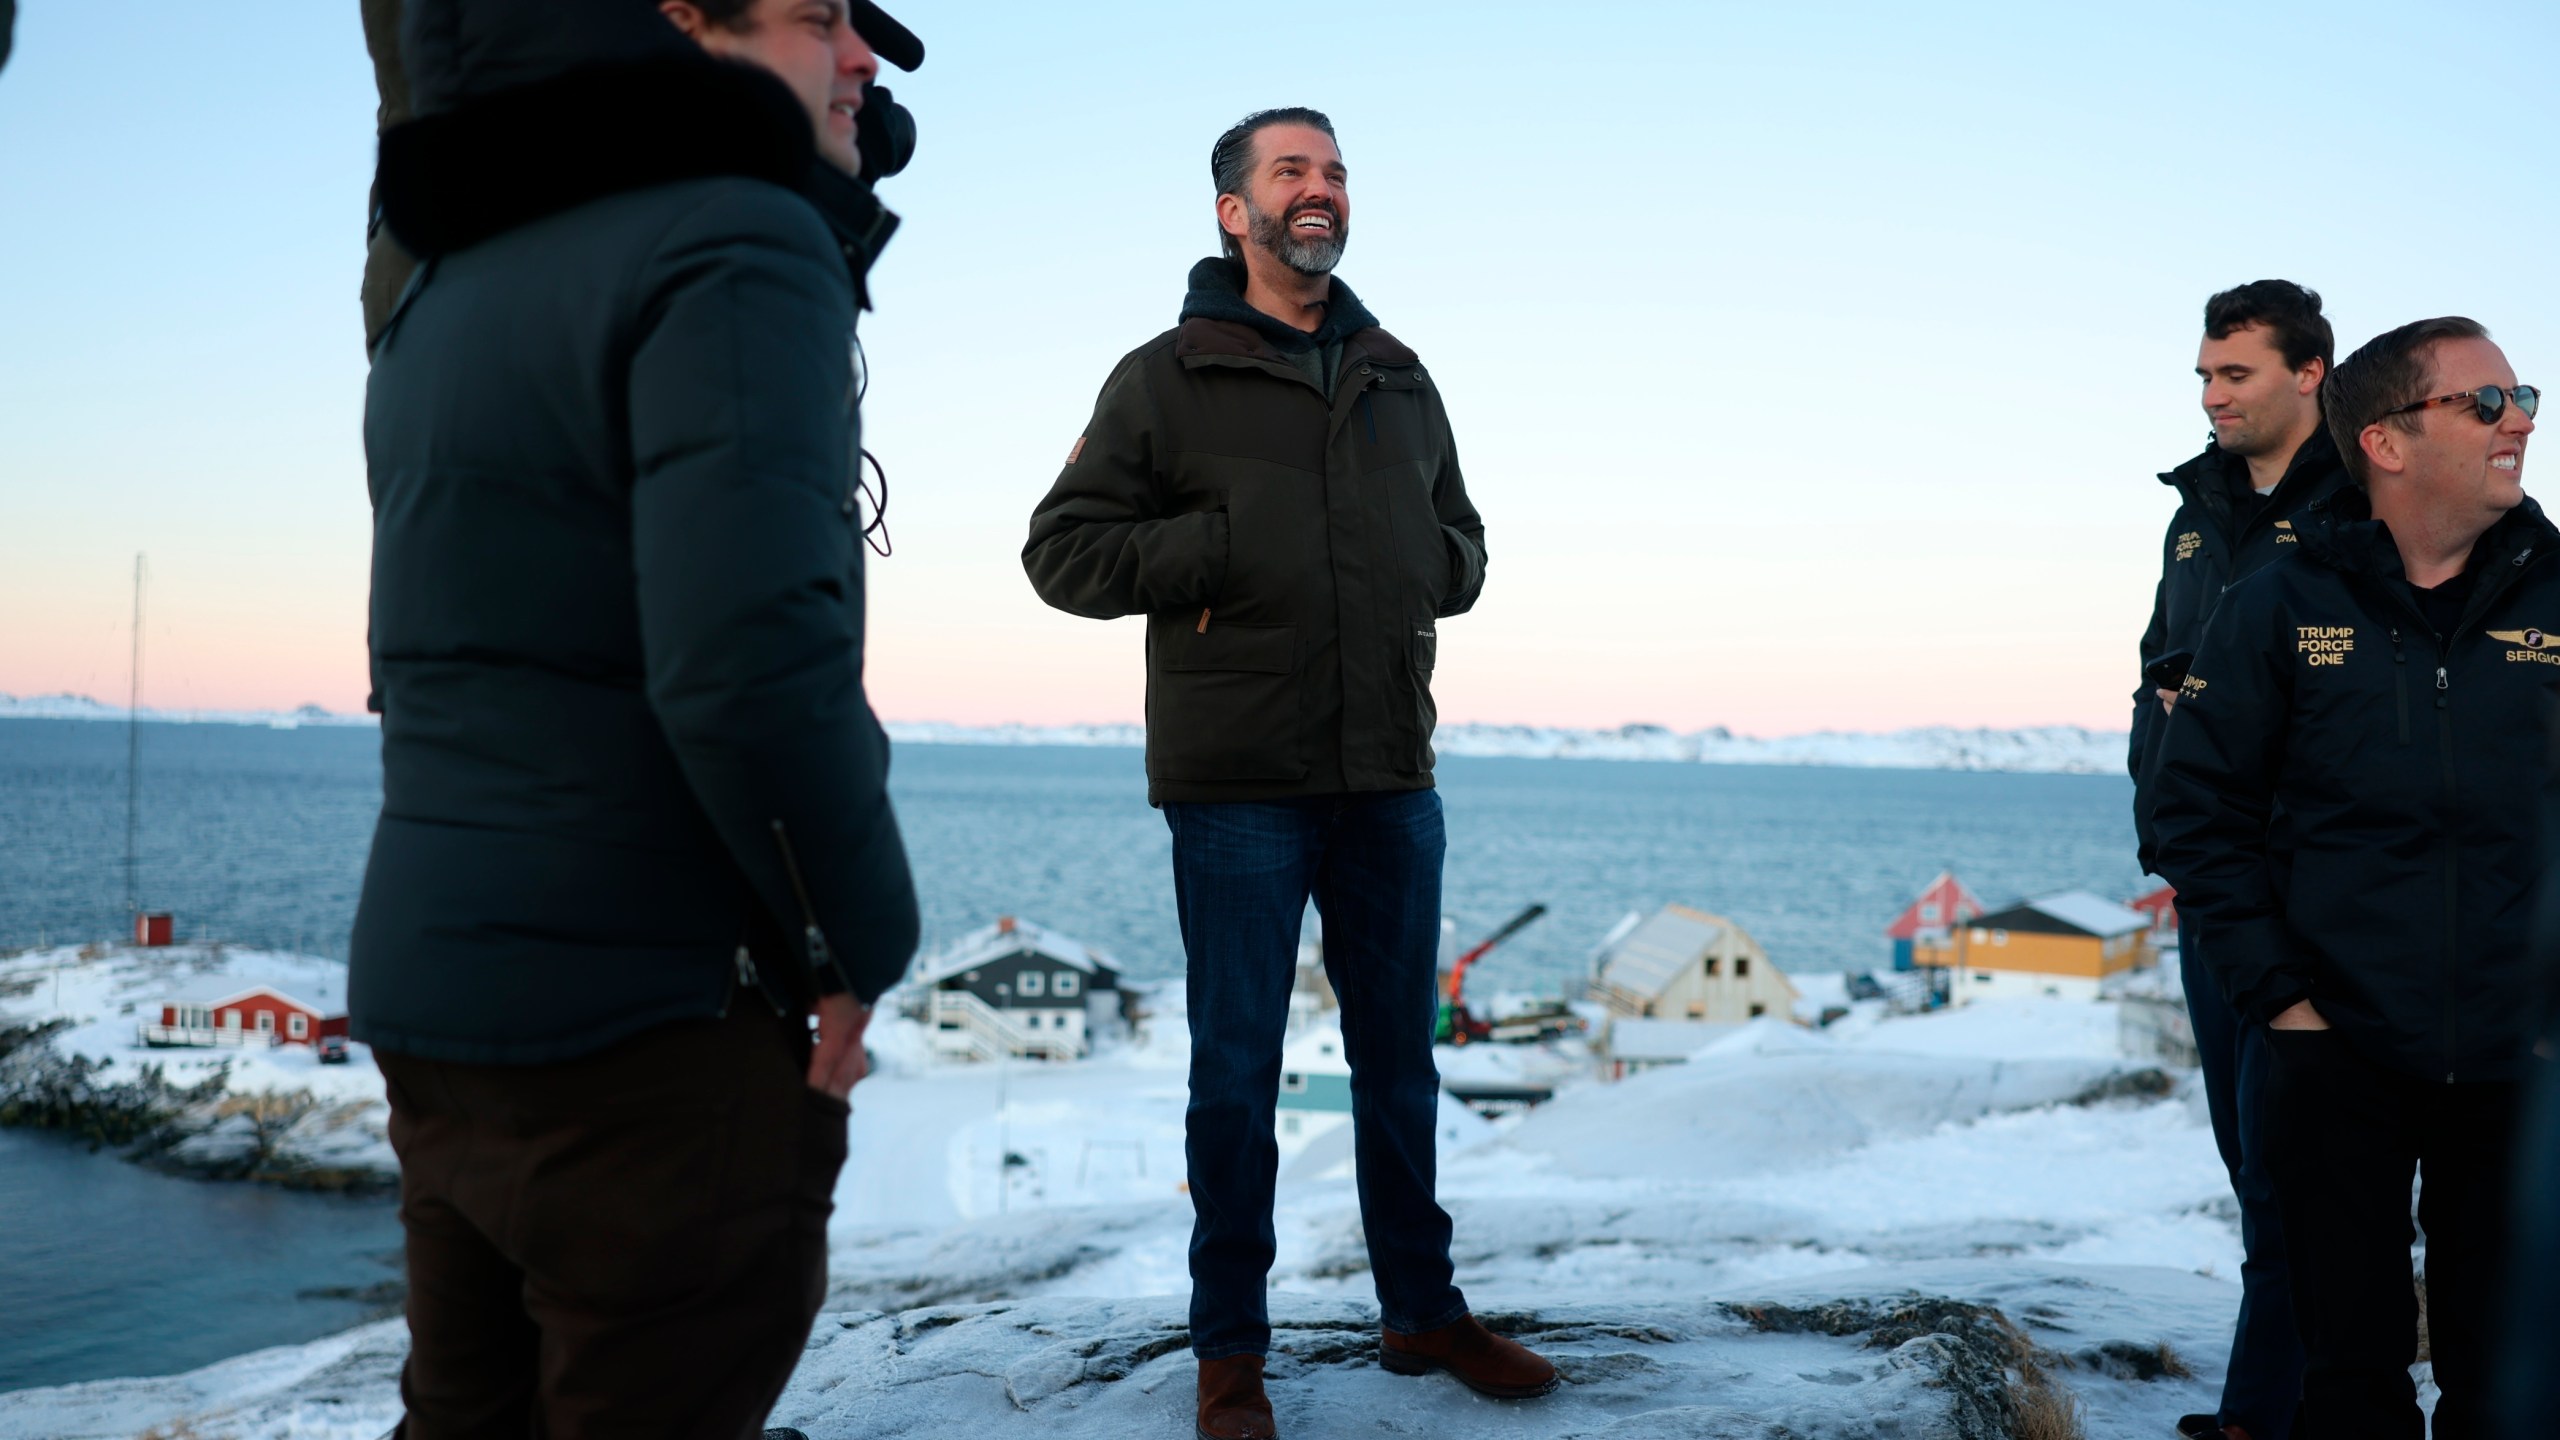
column 2488, row 402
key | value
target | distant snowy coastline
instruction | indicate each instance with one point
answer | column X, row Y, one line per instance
column 82, row 707
column 2043, row 749
column 2049, row 749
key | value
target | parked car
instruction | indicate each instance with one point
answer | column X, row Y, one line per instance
column 333, row 1049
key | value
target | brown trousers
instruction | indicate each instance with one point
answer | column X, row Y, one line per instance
column 628, row 1244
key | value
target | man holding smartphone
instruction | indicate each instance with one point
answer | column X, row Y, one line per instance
column 2265, row 352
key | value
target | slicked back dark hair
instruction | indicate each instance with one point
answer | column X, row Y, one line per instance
column 2290, row 312
column 729, row 15
column 2392, row 369
column 1231, row 159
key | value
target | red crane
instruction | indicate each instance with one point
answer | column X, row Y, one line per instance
column 1457, row 1026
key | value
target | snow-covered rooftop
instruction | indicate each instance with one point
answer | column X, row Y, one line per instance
column 220, row 989
column 1654, row 953
column 2090, row 912
column 1008, row 936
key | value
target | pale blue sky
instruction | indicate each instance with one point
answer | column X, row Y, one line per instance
column 1810, row 364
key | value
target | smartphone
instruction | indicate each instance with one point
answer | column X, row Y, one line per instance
column 2169, row 671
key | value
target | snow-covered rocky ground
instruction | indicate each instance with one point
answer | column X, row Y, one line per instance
column 70, row 1057
column 1904, row 1227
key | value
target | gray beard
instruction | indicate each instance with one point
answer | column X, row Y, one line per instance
column 1309, row 257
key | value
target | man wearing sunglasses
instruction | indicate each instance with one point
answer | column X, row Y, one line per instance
column 2265, row 351
column 2387, row 691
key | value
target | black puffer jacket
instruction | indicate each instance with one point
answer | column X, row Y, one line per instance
column 617, row 609
column 2409, row 766
column 2210, row 546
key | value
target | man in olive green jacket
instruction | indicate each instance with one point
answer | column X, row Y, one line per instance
column 1272, row 483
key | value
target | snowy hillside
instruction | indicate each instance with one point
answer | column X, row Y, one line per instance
column 1898, row 1226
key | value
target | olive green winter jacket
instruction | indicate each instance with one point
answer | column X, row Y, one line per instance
column 1292, row 551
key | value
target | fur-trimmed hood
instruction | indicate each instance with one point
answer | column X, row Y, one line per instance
column 526, row 110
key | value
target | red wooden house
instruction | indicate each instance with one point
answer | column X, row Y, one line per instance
column 225, row 1012
column 2162, row 906
column 1940, row 908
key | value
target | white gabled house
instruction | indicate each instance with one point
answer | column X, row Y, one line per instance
column 1015, row 988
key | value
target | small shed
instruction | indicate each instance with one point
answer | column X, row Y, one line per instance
column 220, row 1010
column 1939, row 908
column 1016, row 988
column 2068, row 944
column 1684, row 964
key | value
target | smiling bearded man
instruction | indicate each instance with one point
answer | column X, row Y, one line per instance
column 1273, row 485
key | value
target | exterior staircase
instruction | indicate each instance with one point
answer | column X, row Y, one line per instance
column 966, row 1027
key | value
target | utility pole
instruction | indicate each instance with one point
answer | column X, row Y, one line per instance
column 133, row 758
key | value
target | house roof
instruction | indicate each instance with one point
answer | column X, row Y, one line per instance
column 1664, row 1040
column 1009, row 936
column 217, row 990
column 2072, row 912
column 1663, row 945
column 1954, row 905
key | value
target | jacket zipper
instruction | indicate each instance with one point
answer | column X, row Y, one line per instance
column 2452, row 868
column 748, row 976
column 811, row 936
column 2400, row 682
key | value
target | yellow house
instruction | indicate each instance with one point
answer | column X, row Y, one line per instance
column 2068, row 944
column 1684, row 964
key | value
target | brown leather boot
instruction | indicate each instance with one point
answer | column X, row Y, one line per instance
column 1232, row 1405
column 1483, row 1361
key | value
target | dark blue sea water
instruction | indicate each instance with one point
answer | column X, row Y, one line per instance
column 259, row 836
column 110, row 1269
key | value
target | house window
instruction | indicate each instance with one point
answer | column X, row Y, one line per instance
column 1712, row 963
column 297, row 1025
column 1293, row 1083
column 1029, row 984
column 1999, row 937
column 1288, row 1124
column 1697, row 1009
column 1741, row 966
column 230, row 1019
column 1982, row 977
column 266, row 1022
column 1065, row 984
column 1758, row 1010
column 1929, row 913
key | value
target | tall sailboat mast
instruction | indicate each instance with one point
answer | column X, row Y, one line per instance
column 133, row 756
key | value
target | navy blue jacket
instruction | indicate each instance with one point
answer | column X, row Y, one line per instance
column 2209, row 546
column 617, row 622
column 2409, row 766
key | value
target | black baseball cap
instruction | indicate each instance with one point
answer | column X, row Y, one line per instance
column 887, row 38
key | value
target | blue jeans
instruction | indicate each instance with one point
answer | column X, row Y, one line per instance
column 2264, row 1382
column 1243, row 873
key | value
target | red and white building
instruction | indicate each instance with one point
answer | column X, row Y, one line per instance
column 224, row 1012
column 1940, row 908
